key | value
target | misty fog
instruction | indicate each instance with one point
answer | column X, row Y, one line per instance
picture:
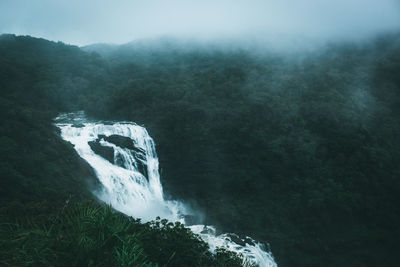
column 87, row 22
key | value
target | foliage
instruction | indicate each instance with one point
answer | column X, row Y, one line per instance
column 85, row 234
column 302, row 152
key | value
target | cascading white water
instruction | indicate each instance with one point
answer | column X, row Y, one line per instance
column 137, row 192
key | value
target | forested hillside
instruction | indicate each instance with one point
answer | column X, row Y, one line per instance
column 44, row 218
column 38, row 80
column 301, row 151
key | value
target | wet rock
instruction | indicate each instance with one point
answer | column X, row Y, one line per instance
column 123, row 142
column 241, row 240
column 78, row 125
column 104, row 151
column 118, row 140
column 236, row 239
column 101, row 136
column 249, row 241
column 119, row 161
column 142, row 167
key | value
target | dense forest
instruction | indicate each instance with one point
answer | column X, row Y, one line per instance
column 298, row 150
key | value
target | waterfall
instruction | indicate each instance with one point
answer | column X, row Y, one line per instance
column 124, row 158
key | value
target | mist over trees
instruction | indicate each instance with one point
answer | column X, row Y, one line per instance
column 301, row 152
column 102, row 21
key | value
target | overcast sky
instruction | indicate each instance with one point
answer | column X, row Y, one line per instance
column 117, row 21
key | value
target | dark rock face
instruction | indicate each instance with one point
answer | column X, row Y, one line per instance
column 104, row 151
column 126, row 142
column 142, row 167
column 118, row 140
column 122, row 142
column 119, row 161
column 241, row 240
column 78, row 125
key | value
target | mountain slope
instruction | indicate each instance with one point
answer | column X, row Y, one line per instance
column 44, row 218
column 302, row 152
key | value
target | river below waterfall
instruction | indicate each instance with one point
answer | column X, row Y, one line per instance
column 124, row 158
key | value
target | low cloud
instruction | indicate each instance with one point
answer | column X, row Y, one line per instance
column 85, row 22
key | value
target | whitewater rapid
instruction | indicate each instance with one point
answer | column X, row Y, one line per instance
column 131, row 181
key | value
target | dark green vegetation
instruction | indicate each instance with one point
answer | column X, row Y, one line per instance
column 43, row 221
column 85, row 234
column 302, row 152
column 37, row 167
